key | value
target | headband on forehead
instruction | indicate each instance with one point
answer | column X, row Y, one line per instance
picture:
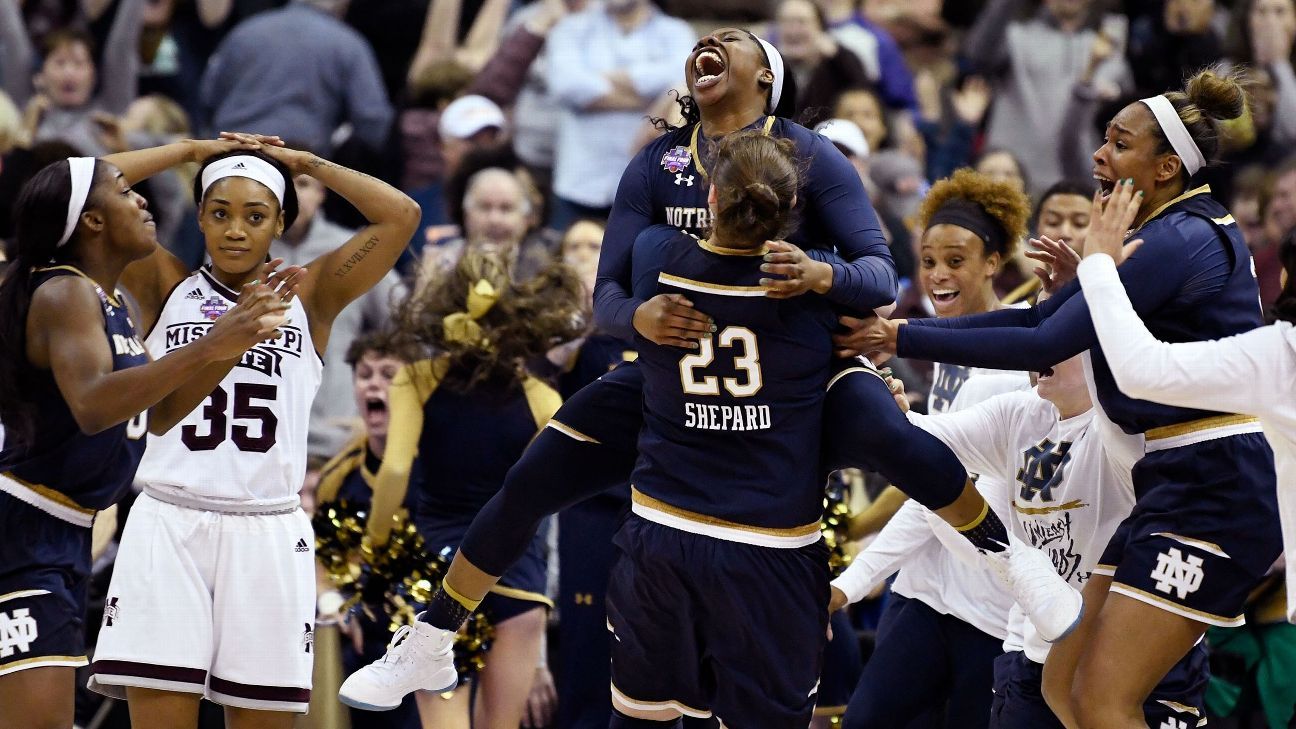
column 972, row 217
column 245, row 165
column 775, row 65
column 82, row 169
column 1176, row 133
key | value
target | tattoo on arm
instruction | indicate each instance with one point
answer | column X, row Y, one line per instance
column 319, row 162
column 355, row 258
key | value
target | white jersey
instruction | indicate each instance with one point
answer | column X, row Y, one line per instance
column 244, row 447
column 1250, row 373
column 947, row 574
column 1070, row 482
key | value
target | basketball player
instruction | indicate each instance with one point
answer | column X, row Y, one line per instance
column 213, row 594
column 76, row 389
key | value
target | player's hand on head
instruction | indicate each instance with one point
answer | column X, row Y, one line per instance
column 1110, row 222
column 271, row 140
column 793, row 272
column 297, row 161
column 201, row 149
column 671, row 320
column 1060, row 261
column 866, row 336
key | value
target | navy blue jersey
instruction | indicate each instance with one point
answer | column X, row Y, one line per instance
column 731, row 430
column 93, row 471
column 598, row 353
column 1192, row 280
column 349, row 476
column 666, row 183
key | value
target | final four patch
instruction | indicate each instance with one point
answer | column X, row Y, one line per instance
column 213, row 307
column 676, row 159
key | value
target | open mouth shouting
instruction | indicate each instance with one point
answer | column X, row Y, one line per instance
column 708, row 68
column 1105, row 184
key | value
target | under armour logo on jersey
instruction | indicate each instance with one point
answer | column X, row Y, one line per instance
column 110, row 612
column 1173, row 723
column 584, row 598
column 1042, row 468
column 308, row 638
column 680, row 179
column 195, row 295
column 301, row 546
column 17, row 631
column 1174, row 572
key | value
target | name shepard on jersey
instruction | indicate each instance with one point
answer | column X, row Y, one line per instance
column 694, row 218
column 726, row 417
column 265, row 358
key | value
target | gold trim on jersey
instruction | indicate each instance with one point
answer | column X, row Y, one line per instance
column 524, row 595
column 571, row 432
column 22, row 593
column 709, row 288
column 643, row 499
column 1037, row 510
column 830, row 711
column 1187, row 194
column 42, row 662
column 1226, row 220
column 851, row 370
column 112, row 298
column 334, row 473
column 693, row 145
column 707, row 245
column 1022, row 292
column 1106, row 570
column 1196, row 426
column 1181, row 708
column 618, row 697
column 46, row 499
column 1144, row 596
column 1211, row 547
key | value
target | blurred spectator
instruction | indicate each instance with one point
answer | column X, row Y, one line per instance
column 1163, row 45
column 1033, row 66
column 298, row 72
column 1063, row 212
column 950, row 121
column 1002, row 164
column 12, row 131
column 863, row 107
column 1263, row 35
column 819, row 64
column 441, row 33
column 883, row 62
column 469, row 122
column 848, row 138
column 607, row 65
column 1248, row 203
column 60, row 98
column 497, row 216
column 312, row 235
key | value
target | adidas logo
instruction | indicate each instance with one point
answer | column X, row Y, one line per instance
column 301, row 546
column 195, row 294
column 239, row 166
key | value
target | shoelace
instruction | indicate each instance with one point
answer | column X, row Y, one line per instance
column 392, row 655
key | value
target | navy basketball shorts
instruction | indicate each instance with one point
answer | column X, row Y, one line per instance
column 522, row 586
column 608, row 412
column 1178, row 701
column 842, row 666
column 1203, row 532
column 705, row 627
column 44, row 583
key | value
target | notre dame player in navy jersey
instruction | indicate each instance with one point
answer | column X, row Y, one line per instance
column 727, row 492
column 736, row 82
column 1205, row 528
column 76, row 387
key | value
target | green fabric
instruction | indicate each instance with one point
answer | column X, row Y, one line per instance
column 1269, row 654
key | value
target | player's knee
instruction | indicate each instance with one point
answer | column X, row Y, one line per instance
column 1097, row 705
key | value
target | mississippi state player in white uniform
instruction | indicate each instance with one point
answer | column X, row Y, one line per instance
column 213, row 594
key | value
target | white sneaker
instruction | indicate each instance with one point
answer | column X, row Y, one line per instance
column 419, row 657
column 1053, row 606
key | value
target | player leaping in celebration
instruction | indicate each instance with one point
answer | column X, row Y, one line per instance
column 76, row 389
column 737, row 82
column 214, row 590
column 1205, row 529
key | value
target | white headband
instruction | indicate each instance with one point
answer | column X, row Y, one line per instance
column 245, row 165
column 776, row 65
column 82, row 169
column 1177, row 134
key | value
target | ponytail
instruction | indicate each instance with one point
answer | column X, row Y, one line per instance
column 756, row 178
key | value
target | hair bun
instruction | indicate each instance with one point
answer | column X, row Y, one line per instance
column 761, row 196
column 1220, row 96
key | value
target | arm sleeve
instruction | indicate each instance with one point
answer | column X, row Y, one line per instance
column 17, row 56
column 504, row 75
column 1236, row 374
column 1155, row 276
column 837, row 197
column 975, row 435
column 402, row 446
column 899, row 540
column 120, row 72
column 368, row 108
column 569, row 80
column 1012, row 316
column 614, row 306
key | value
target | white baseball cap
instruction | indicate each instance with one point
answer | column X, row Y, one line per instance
column 467, row 115
column 846, row 134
